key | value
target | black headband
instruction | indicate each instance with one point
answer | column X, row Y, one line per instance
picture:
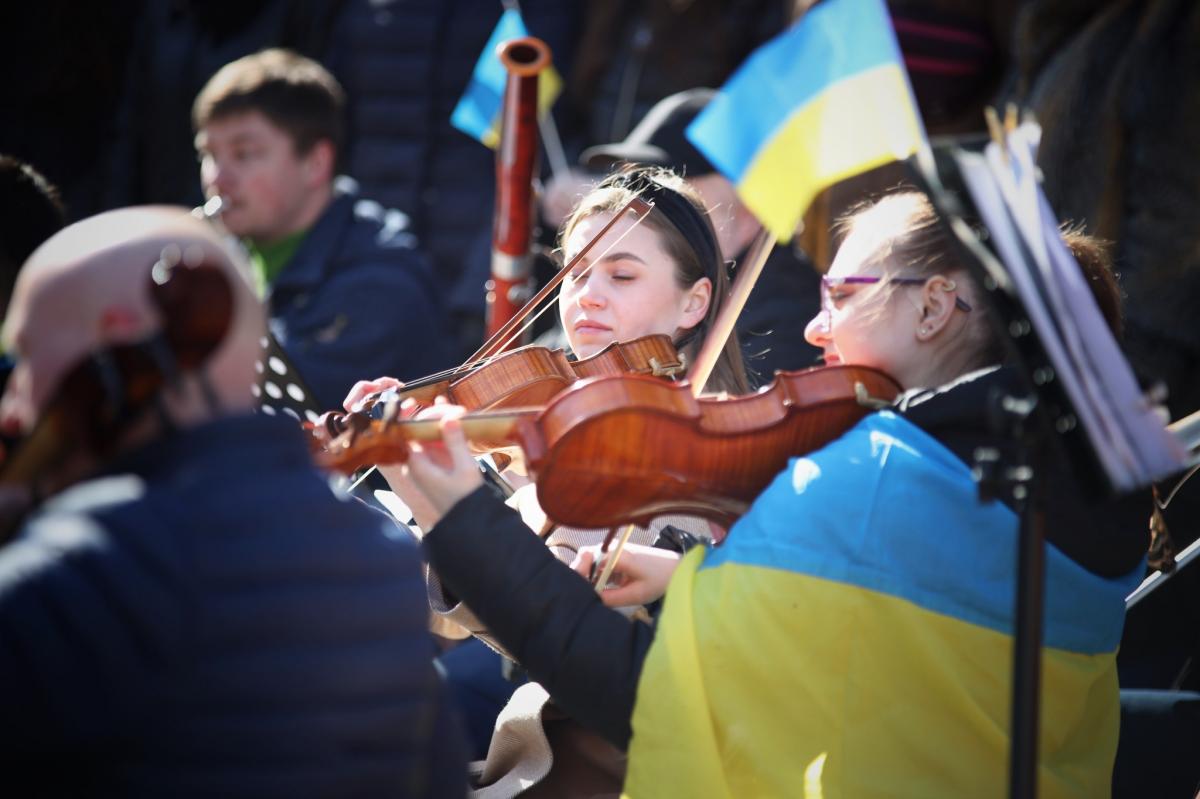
column 680, row 212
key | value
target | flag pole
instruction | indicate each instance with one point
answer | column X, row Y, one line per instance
column 553, row 144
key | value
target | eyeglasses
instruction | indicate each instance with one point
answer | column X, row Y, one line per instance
column 828, row 284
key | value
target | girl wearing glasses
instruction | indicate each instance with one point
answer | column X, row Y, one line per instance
column 853, row 633
column 898, row 579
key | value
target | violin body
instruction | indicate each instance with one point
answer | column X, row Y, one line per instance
column 619, row 451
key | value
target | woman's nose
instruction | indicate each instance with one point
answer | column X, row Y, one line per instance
column 816, row 332
column 590, row 294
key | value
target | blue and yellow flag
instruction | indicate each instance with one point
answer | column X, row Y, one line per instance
column 826, row 99
column 852, row 637
column 478, row 111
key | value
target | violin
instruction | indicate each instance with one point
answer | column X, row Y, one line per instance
column 109, row 389
column 527, row 377
column 622, row 450
column 530, row 375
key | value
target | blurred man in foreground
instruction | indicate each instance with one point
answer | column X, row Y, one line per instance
column 200, row 615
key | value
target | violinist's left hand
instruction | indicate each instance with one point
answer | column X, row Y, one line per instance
column 443, row 472
column 365, row 389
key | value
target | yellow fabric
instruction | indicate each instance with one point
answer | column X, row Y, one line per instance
column 816, row 688
column 828, row 140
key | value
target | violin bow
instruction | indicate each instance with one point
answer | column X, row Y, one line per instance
column 743, row 284
column 506, row 334
column 508, row 331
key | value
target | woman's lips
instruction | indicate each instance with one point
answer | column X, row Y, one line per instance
column 591, row 327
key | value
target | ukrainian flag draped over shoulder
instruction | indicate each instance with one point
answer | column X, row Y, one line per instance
column 853, row 638
column 478, row 111
column 826, row 99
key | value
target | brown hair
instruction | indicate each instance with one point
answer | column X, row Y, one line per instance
column 295, row 93
column 1094, row 259
column 918, row 244
column 692, row 248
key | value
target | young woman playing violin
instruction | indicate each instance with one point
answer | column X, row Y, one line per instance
column 662, row 274
column 853, row 632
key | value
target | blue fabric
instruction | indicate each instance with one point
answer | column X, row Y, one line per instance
column 479, row 107
column 945, row 553
column 819, row 39
column 358, row 301
column 210, row 620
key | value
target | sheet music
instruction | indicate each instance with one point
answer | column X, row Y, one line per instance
column 1041, row 232
column 1128, row 437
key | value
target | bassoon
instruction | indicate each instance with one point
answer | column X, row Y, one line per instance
column 516, row 165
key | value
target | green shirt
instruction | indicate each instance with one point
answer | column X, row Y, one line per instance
column 268, row 260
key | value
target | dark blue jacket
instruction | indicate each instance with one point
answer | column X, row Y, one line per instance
column 358, row 301
column 210, row 620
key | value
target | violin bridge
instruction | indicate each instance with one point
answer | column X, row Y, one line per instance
column 864, row 398
column 670, row 370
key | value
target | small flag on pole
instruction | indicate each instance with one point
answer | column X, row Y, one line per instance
column 478, row 111
column 826, row 99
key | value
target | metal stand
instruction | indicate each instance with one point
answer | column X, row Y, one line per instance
column 1021, row 478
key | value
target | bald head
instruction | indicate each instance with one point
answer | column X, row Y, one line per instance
column 89, row 286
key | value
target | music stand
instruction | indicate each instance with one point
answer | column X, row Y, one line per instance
column 280, row 390
column 1054, row 412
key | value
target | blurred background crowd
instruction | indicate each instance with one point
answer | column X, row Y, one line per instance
column 99, row 99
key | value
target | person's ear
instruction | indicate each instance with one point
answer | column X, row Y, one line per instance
column 937, row 306
column 695, row 305
column 320, row 162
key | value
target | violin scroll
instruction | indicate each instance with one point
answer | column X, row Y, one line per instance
column 111, row 387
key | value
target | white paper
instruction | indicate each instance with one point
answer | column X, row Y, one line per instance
column 1128, row 437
